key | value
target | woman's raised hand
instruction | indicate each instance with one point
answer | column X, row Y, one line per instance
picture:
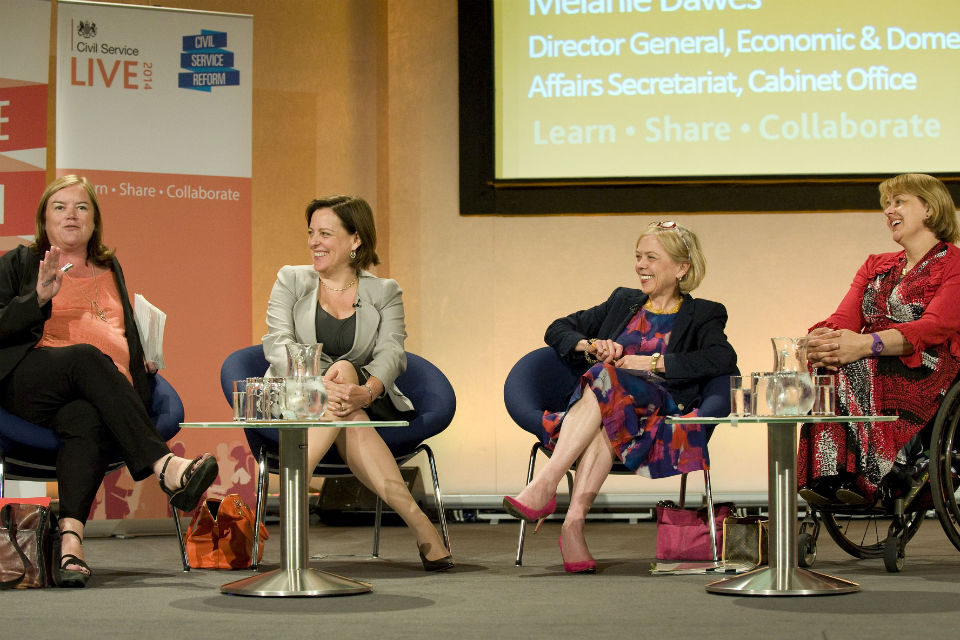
column 49, row 276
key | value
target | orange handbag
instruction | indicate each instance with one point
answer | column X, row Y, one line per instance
column 220, row 535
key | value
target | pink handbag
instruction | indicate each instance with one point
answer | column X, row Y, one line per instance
column 684, row 534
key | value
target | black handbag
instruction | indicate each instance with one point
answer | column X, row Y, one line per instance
column 26, row 550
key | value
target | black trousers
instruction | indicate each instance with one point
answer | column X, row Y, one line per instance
column 80, row 394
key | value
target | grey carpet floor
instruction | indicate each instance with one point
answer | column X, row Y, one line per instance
column 138, row 592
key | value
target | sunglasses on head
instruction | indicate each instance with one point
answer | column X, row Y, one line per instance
column 670, row 224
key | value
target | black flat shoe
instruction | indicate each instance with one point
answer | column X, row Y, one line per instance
column 193, row 483
column 71, row 578
column 440, row 564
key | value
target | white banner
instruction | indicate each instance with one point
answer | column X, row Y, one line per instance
column 121, row 99
column 24, row 71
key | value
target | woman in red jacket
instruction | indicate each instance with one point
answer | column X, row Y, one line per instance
column 894, row 345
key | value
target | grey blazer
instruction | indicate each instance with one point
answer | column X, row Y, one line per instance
column 377, row 345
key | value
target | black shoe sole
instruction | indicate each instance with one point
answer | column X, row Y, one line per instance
column 847, row 496
column 813, row 498
column 187, row 498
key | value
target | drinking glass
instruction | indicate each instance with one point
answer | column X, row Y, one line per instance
column 239, row 400
column 761, row 383
column 741, row 394
column 824, row 395
column 273, row 398
column 254, row 399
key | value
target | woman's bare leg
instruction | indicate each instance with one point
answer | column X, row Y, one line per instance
column 371, row 461
column 592, row 470
column 580, row 427
column 320, row 440
column 374, row 465
column 71, row 544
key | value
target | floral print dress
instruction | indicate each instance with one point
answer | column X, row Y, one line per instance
column 633, row 407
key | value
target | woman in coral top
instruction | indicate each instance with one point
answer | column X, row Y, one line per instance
column 71, row 361
column 893, row 343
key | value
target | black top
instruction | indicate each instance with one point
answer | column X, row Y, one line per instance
column 698, row 348
column 334, row 334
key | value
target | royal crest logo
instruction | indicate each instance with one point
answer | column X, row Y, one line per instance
column 87, row 29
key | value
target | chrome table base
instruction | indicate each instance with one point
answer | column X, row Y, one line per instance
column 294, row 578
column 792, row 582
column 302, row 582
column 783, row 577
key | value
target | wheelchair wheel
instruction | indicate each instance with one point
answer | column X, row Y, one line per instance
column 864, row 534
column 893, row 554
column 945, row 464
column 806, row 550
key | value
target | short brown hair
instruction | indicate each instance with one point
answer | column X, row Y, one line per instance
column 682, row 245
column 96, row 251
column 356, row 216
column 943, row 213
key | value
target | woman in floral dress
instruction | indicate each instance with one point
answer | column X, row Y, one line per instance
column 647, row 355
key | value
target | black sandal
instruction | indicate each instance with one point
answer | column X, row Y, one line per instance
column 193, row 483
column 71, row 578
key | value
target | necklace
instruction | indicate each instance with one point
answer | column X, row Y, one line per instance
column 341, row 290
column 649, row 307
column 94, row 302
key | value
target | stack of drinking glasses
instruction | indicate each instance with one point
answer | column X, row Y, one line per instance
column 258, row 399
column 301, row 395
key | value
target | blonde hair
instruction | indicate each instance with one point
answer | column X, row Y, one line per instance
column 682, row 245
column 942, row 220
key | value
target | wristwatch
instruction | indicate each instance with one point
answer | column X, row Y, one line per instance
column 654, row 359
column 877, row 346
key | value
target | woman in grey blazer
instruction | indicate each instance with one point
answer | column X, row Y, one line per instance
column 358, row 318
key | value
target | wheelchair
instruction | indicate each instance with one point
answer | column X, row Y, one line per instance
column 930, row 479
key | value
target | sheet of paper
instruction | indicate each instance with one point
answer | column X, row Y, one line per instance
column 698, row 568
column 150, row 321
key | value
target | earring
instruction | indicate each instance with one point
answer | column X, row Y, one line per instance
column 353, row 254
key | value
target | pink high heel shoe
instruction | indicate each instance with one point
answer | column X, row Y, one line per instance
column 522, row 512
column 585, row 566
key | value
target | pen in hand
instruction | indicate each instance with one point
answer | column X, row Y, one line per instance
column 63, row 269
